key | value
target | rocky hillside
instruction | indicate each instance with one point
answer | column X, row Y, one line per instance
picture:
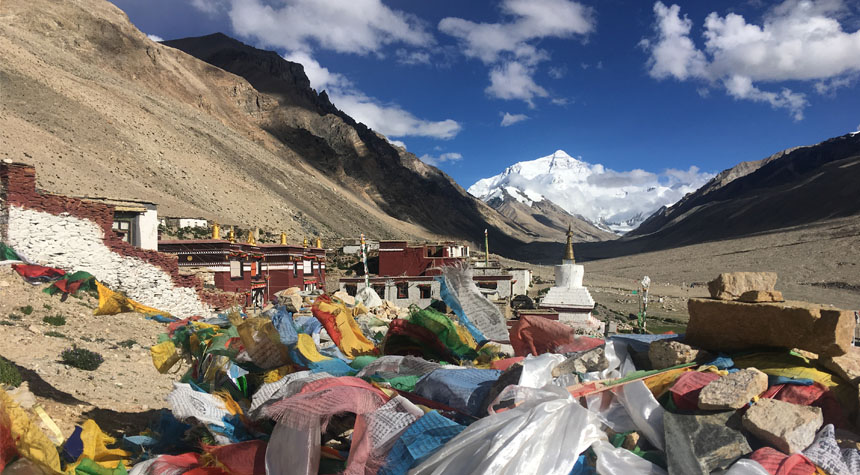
column 791, row 188
column 545, row 220
column 102, row 110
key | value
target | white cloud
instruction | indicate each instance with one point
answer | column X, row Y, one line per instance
column 321, row 78
column 501, row 45
column 511, row 119
column 155, row 38
column 443, row 158
column 797, row 40
column 397, row 143
column 355, row 26
column 561, row 101
column 514, row 80
column 391, row 120
column 412, row 57
column 209, row 6
column 557, row 72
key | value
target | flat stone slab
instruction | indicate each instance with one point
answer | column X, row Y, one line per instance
column 785, row 426
column 728, row 326
column 699, row 444
column 667, row 353
column 733, row 391
column 731, row 285
column 846, row 366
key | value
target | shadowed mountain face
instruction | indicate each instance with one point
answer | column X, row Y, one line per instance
column 360, row 160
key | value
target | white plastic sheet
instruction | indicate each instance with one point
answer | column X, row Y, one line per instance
column 541, row 437
column 644, row 410
column 293, row 451
column 620, row 461
column 537, row 370
column 368, row 297
column 744, row 467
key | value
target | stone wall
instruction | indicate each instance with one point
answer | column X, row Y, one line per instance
column 75, row 235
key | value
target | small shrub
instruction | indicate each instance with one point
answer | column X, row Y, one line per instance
column 6, row 323
column 9, row 374
column 82, row 358
column 56, row 320
column 127, row 343
column 55, row 334
column 12, row 316
column 26, row 310
column 46, row 307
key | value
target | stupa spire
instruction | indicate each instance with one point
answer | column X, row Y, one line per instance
column 568, row 253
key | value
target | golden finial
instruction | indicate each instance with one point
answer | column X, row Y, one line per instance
column 305, row 243
column 216, row 231
column 568, row 253
column 283, row 239
column 232, row 234
column 251, row 239
column 319, row 243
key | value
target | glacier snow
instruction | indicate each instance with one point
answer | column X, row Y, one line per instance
column 613, row 200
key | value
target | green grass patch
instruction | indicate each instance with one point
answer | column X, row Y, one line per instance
column 55, row 334
column 12, row 316
column 81, row 358
column 55, row 320
column 9, row 374
column 6, row 323
column 27, row 310
column 46, row 307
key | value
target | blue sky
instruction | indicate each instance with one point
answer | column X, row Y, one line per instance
column 476, row 86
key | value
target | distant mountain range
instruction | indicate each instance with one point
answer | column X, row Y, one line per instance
column 613, row 201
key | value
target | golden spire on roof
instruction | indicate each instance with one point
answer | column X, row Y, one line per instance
column 232, row 233
column 251, row 239
column 305, row 243
column 216, row 231
column 283, row 239
column 568, row 253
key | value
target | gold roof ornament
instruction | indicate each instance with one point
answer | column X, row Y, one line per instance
column 305, row 242
column 319, row 243
column 283, row 239
column 216, row 230
column 232, row 234
column 251, row 239
column 568, row 252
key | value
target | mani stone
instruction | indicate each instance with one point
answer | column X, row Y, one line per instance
column 667, row 353
column 731, row 285
column 846, row 366
column 730, row 326
column 757, row 296
column 733, row 391
column 700, row 444
column 783, row 425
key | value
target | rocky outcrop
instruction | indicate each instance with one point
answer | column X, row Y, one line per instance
column 732, row 285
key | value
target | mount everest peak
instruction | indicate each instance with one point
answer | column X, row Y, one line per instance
column 617, row 201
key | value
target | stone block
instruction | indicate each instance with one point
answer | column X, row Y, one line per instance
column 757, row 296
column 846, row 366
column 591, row 360
column 729, row 326
column 699, row 444
column 783, row 425
column 666, row 353
column 731, row 285
column 733, row 391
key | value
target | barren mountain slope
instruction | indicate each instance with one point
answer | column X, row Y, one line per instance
column 101, row 110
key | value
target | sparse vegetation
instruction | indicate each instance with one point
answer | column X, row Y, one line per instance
column 26, row 310
column 46, row 307
column 55, row 320
column 9, row 374
column 81, row 358
column 6, row 323
column 12, row 316
column 56, row 334
column 127, row 343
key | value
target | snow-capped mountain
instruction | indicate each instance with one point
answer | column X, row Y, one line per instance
column 612, row 200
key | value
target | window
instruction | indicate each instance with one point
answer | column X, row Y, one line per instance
column 351, row 289
column 435, row 251
column 403, row 290
column 306, row 267
column 235, row 269
column 379, row 289
column 124, row 229
column 424, row 291
column 256, row 269
column 295, row 269
column 488, row 285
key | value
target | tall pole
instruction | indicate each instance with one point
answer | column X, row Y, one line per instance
column 364, row 260
column 486, row 249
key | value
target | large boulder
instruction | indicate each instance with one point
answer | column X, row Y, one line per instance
column 700, row 444
column 728, row 326
column 731, row 285
column 846, row 366
column 733, row 391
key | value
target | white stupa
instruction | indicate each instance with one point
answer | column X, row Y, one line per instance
column 568, row 297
